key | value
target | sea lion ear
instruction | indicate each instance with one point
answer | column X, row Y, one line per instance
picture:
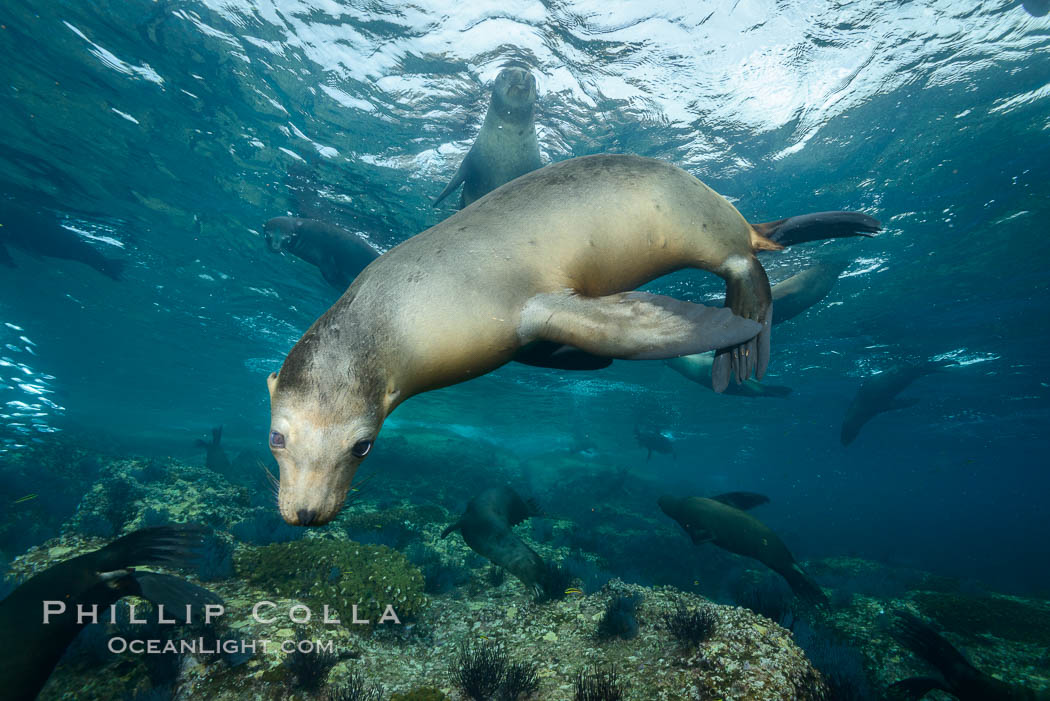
column 271, row 383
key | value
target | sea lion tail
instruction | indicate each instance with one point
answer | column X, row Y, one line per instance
column 914, row 688
column 776, row 235
column 160, row 545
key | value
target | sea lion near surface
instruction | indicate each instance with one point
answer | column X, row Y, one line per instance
column 957, row 676
column 487, row 528
column 30, row 648
column 337, row 253
column 697, row 367
column 724, row 521
column 506, row 147
column 878, row 394
column 41, row 235
column 553, row 256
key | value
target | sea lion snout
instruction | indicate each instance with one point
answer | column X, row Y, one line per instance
column 312, row 495
column 278, row 232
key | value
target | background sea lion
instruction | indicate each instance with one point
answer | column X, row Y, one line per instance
column 216, row 459
column 39, row 234
column 30, row 649
column 551, row 256
column 337, row 253
column 722, row 521
column 654, row 441
column 697, row 367
column 958, row 677
column 801, row 291
column 506, row 146
column 486, row 527
column 879, row 393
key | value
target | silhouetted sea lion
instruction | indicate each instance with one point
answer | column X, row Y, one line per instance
column 879, row 393
column 723, row 521
column 216, row 459
column 654, row 441
column 486, row 527
column 337, row 253
column 697, row 367
column 40, row 235
column 551, row 256
column 506, row 146
column 801, row 291
column 958, row 677
column 30, row 649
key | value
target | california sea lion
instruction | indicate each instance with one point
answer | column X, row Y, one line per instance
column 722, row 521
column 654, row 441
column 487, row 525
column 551, row 256
column 506, row 146
column 957, row 676
column 337, row 253
column 879, row 393
column 30, row 649
column 697, row 367
column 216, row 459
column 41, row 235
column 801, row 291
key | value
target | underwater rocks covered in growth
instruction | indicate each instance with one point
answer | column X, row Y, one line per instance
column 652, row 642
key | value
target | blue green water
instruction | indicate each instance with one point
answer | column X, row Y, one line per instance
column 166, row 133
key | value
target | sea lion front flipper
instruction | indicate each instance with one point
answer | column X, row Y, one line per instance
column 458, row 179
column 742, row 500
column 454, row 527
column 631, row 325
column 818, row 226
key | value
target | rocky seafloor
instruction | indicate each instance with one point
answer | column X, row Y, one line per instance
column 386, row 548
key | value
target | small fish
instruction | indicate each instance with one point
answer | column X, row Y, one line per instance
column 574, row 590
column 483, row 636
column 27, row 497
column 696, row 582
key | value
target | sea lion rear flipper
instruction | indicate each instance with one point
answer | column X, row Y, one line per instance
column 174, row 593
column 914, row 688
column 458, row 179
column 631, row 325
column 804, row 587
column 454, row 527
column 818, row 226
column 160, row 545
column 742, row 500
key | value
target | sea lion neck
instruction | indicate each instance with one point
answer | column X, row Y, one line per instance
column 500, row 110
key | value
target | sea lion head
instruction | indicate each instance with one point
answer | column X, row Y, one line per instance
column 514, row 90
column 280, row 232
column 325, row 414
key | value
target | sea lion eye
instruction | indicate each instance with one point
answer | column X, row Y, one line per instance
column 276, row 439
column 361, row 448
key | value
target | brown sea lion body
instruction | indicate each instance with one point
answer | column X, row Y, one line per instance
column 549, row 257
column 731, row 528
